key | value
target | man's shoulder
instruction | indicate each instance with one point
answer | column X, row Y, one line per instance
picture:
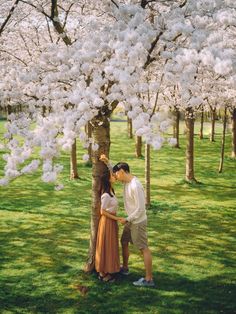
column 136, row 183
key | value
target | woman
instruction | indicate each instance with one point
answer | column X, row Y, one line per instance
column 107, row 260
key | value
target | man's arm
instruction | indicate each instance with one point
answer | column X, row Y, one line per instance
column 139, row 198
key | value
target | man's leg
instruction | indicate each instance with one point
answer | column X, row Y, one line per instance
column 125, row 254
column 147, row 256
column 125, row 239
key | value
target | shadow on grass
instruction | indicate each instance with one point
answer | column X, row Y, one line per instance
column 173, row 294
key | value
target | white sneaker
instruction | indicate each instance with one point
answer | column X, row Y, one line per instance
column 142, row 282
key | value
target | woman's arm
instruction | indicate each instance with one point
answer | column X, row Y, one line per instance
column 105, row 213
column 106, row 161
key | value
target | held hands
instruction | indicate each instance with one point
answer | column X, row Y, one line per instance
column 104, row 159
column 122, row 220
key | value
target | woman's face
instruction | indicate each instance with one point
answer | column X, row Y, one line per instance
column 112, row 178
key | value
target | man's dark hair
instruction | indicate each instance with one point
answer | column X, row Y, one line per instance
column 121, row 165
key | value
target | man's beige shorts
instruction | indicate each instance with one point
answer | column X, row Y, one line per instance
column 136, row 234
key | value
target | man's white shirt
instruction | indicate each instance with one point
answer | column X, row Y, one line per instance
column 134, row 201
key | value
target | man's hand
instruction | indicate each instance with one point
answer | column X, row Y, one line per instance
column 122, row 220
column 104, row 159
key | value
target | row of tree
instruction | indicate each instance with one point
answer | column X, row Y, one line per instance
column 70, row 64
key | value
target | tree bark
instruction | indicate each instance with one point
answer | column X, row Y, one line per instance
column 101, row 136
column 189, row 121
column 89, row 134
column 213, row 120
column 223, row 142
column 176, row 128
column 201, row 125
column 138, row 146
column 147, row 176
column 73, row 162
column 129, row 127
column 233, row 154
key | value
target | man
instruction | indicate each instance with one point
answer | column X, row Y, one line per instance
column 135, row 224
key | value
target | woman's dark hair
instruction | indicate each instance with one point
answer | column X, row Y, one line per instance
column 121, row 165
column 105, row 186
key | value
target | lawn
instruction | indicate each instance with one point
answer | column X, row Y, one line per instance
column 44, row 237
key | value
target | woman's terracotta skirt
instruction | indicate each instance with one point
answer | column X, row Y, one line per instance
column 107, row 259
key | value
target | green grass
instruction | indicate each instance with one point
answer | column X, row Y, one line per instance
column 44, row 238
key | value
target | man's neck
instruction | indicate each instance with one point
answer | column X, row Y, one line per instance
column 128, row 178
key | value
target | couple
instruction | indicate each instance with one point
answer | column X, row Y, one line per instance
column 107, row 261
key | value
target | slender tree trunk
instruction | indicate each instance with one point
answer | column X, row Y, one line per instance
column 44, row 111
column 101, row 136
column 138, row 146
column 130, row 127
column 201, row 125
column 88, row 130
column 223, row 142
column 147, row 176
column 213, row 120
column 189, row 121
column 234, row 134
column 9, row 111
column 73, row 163
column 176, row 128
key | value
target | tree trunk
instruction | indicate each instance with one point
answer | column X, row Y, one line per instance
column 234, row 134
column 138, row 146
column 147, row 176
column 213, row 120
column 101, row 136
column 189, row 121
column 88, row 130
column 73, row 162
column 223, row 142
column 176, row 128
column 130, row 127
column 201, row 125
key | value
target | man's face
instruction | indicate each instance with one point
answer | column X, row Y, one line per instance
column 120, row 175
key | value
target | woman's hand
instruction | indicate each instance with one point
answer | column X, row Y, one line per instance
column 122, row 220
column 104, row 159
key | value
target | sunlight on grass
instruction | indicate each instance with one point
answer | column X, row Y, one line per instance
column 44, row 237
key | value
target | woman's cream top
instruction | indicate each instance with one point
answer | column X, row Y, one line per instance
column 109, row 203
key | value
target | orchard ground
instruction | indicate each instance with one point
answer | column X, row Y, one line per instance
column 44, row 237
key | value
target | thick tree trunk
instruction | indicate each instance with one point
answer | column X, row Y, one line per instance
column 234, row 134
column 73, row 162
column 129, row 127
column 213, row 120
column 201, row 125
column 223, row 142
column 189, row 121
column 138, row 146
column 147, row 176
column 176, row 128
column 101, row 136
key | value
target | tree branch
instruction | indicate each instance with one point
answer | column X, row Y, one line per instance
column 115, row 4
column 153, row 45
column 9, row 16
column 67, row 13
column 54, row 9
column 34, row 6
column 11, row 54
